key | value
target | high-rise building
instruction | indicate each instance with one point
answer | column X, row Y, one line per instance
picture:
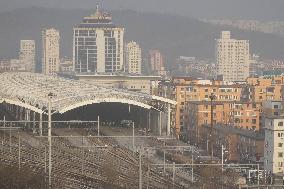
column 27, row 55
column 157, row 62
column 133, row 58
column 98, row 44
column 50, row 47
column 233, row 58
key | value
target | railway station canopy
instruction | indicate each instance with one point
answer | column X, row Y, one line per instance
column 33, row 91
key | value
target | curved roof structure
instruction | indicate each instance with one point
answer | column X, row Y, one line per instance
column 30, row 90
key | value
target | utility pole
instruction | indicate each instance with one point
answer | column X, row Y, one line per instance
column 4, row 129
column 83, row 157
column 50, row 96
column 192, row 166
column 258, row 174
column 140, row 170
column 133, row 137
column 212, row 97
column 222, row 158
column 45, row 159
column 164, row 156
column 98, row 125
column 19, row 152
column 10, row 138
column 174, row 174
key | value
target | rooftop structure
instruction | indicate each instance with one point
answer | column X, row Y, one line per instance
column 30, row 90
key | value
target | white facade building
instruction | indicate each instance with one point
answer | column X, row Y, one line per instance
column 27, row 55
column 50, row 48
column 274, row 145
column 233, row 58
column 133, row 58
column 98, row 45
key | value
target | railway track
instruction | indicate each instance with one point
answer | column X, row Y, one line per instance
column 73, row 168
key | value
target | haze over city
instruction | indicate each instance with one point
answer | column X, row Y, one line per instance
column 142, row 94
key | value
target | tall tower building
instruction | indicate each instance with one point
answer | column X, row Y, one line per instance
column 27, row 55
column 232, row 58
column 50, row 47
column 133, row 58
column 157, row 62
column 98, row 44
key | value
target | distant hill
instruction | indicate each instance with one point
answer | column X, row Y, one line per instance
column 174, row 35
column 212, row 9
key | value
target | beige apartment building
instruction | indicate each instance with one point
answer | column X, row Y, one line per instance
column 133, row 58
column 27, row 55
column 157, row 62
column 50, row 48
column 233, row 58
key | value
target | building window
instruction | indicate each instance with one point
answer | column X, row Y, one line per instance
column 275, row 106
column 280, row 154
column 280, row 145
column 280, row 123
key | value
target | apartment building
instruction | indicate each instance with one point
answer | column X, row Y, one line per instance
column 50, row 50
column 27, row 55
column 274, row 145
column 183, row 90
column 157, row 62
column 230, row 113
column 243, row 145
column 263, row 89
column 133, row 58
column 232, row 57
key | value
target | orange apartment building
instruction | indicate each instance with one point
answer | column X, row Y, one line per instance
column 201, row 92
column 231, row 113
column 264, row 89
column 261, row 90
column 186, row 89
column 243, row 146
column 254, row 92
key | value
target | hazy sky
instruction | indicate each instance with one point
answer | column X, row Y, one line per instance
column 249, row 9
